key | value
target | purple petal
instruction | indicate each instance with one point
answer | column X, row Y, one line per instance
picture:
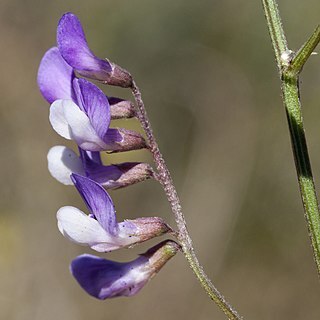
column 105, row 175
column 113, row 176
column 94, row 156
column 94, row 103
column 55, row 77
column 97, row 171
column 113, row 136
column 74, row 49
column 108, row 279
column 101, row 278
column 98, row 202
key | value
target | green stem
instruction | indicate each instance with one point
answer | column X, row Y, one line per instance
column 277, row 35
column 289, row 72
column 304, row 53
column 299, row 145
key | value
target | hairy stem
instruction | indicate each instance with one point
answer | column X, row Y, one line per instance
column 304, row 53
column 289, row 75
column 183, row 236
column 277, row 34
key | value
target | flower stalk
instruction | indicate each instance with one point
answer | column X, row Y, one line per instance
column 289, row 76
column 164, row 177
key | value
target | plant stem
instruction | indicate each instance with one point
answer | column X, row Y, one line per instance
column 289, row 75
column 277, row 35
column 183, row 236
column 304, row 53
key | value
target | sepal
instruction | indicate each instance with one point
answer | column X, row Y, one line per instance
column 131, row 173
column 148, row 228
column 118, row 77
column 121, row 109
column 131, row 140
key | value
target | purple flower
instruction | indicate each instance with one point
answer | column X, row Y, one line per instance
column 87, row 122
column 55, row 81
column 80, row 110
column 62, row 162
column 104, row 279
column 100, row 230
column 74, row 49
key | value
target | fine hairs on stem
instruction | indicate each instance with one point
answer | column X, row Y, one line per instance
column 164, row 177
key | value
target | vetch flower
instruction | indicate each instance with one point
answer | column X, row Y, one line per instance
column 74, row 49
column 104, row 279
column 100, row 230
column 62, row 162
column 55, row 81
column 87, row 121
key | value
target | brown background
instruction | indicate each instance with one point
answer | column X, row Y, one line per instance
column 207, row 73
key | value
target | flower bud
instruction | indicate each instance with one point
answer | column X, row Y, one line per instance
column 121, row 109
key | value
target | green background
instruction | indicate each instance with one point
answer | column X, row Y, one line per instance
column 208, row 76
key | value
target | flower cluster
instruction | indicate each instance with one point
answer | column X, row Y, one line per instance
column 81, row 112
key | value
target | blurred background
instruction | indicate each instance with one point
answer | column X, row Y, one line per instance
column 208, row 76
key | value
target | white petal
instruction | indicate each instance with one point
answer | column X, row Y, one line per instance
column 84, row 230
column 81, row 129
column 58, row 120
column 62, row 161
